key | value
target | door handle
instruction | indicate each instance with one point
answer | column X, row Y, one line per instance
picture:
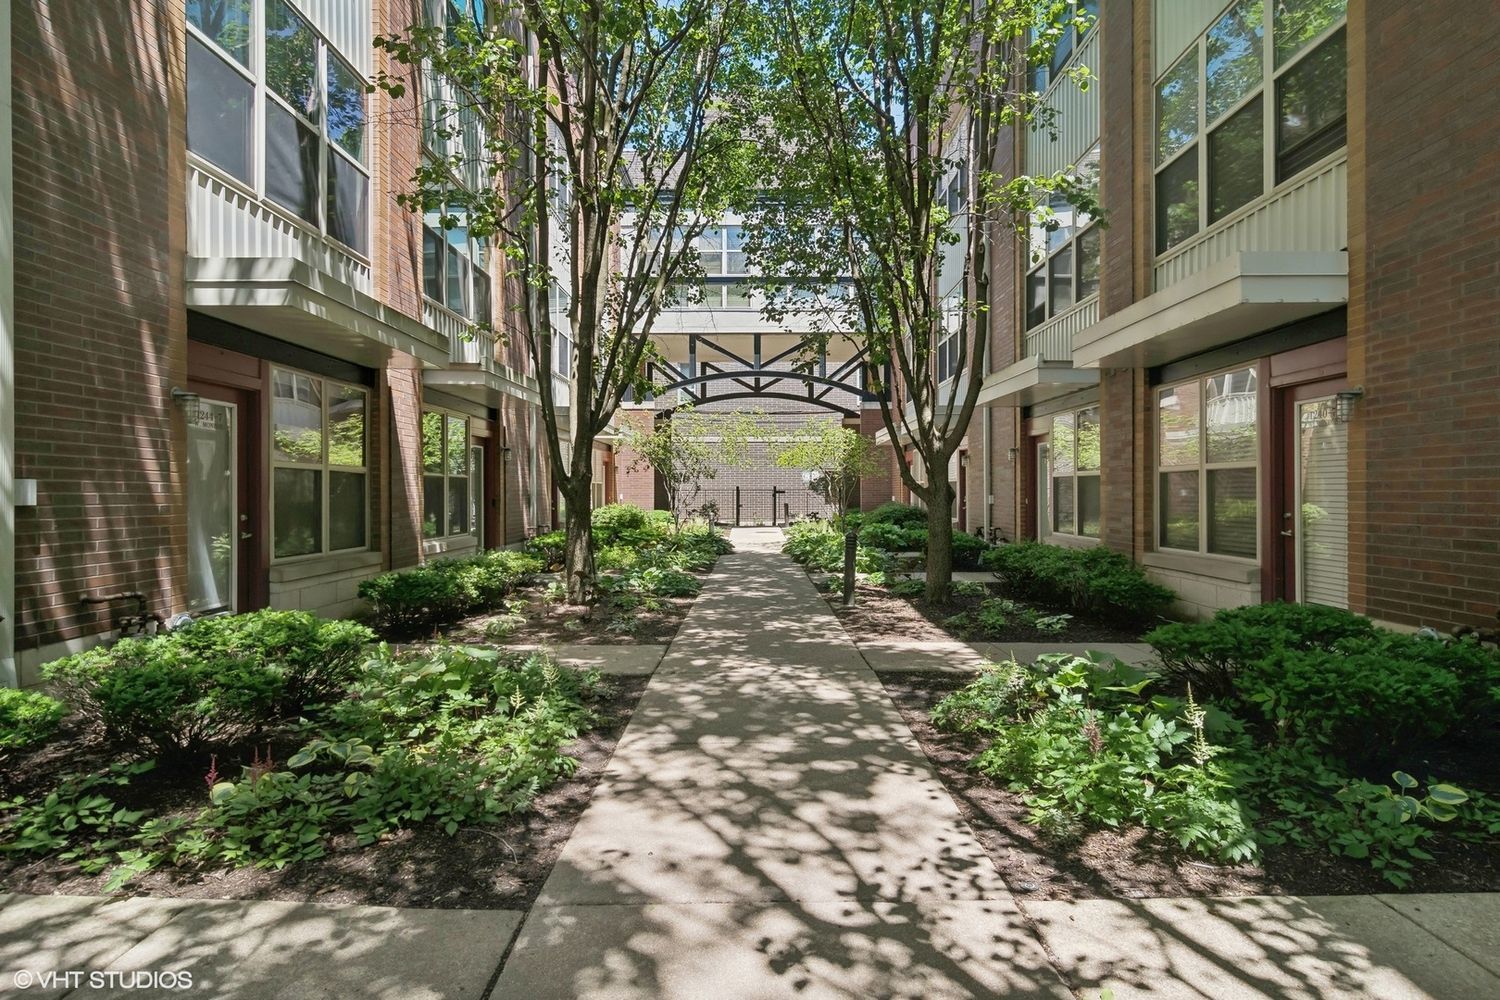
column 1287, row 534
column 245, row 536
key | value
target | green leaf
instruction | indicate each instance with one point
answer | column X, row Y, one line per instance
column 1404, row 780
column 1448, row 795
column 221, row 792
column 300, row 759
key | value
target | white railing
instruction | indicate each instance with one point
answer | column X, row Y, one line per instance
column 467, row 345
column 1310, row 214
column 1053, row 340
column 1077, row 118
column 224, row 221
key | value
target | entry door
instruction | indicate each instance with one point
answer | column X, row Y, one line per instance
column 1043, row 490
column 1315, row 513
column 213, row 506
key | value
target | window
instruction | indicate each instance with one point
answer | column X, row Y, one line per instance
column 447, row 500
column 948, row 341
column 311, row 156
column 1074, row 448
column 455, row 264
column 1221, row 90
column 1045, row 74
column 319, row 470
column 721, row 249
column 1206, row 448
column 1064, row 254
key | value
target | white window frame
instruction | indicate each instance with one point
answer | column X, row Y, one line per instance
column 448, row 532
column 1271, row 75
column 1042, row 254
column 1204, row 466
column 1077, row 473
column 325, row 467
column 255, row 186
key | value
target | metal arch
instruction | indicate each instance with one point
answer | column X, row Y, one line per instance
column 766, row 394
column 763, row 374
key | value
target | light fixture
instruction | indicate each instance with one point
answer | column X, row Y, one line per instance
column 182, row 397
column 1014, row 453
column 1343, row 403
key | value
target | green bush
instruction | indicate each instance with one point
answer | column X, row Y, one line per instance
column 445, row 590
column 967, row 550
column 615, row 557
column 1096, row 581
column 657, row 581
column 902, row 515
column 890, row 537
column 613, row 522
column 551, row 548
column 27, row 718
column 214, row 681
column 1208, row 655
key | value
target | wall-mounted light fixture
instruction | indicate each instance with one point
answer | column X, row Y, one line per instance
column 181, row 397
column 1014, row 453
column 1343, row 403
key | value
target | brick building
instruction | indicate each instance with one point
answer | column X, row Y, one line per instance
column 1273, row 372
column 234, row 373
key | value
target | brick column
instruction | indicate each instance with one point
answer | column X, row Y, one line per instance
column 636, row 485
column 879, row 486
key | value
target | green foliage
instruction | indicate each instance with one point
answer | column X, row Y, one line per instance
column 908, row 588
column 550, row 547
column 889, row 536
column 820, row 547
column 689, row 448
column 445, row 590
column 968, row 549
column 1078, row 740
column 27, row 718
column 997, row 615
column 903, row 515
column 215, row 681
column 619, row 524
column 78, row 820
column 1095, row 581
column 615, row 557
column 837, row 456
column 654, row 581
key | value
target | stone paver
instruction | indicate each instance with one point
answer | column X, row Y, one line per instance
column 620, row 660
column 256, row 950
column 768, row 827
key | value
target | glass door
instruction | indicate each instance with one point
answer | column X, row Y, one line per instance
column 1321, row 514
column 1043, row 490
column 212, row 506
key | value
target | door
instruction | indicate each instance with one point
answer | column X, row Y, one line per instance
column 1314, row 532
column 226, row 566
column 1043, row 490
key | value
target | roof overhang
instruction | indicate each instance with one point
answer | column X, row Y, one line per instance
column 1242, row 295
column 1032, row 380
column 293, row 301
column 478, row 385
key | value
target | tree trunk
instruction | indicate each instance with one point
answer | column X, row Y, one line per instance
column 578, row 565
column 939, row 543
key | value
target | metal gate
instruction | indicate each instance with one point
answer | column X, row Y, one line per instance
column 774, row 505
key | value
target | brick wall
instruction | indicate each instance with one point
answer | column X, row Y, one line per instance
column 636, row 483
column 403, row 486
column 1424, row 294
column 396, row 154
column 879, row 486
column 100, row 235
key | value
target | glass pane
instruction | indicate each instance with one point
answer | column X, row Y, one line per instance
column 734, row 238
column 298, row 502
column 711, row 240
column 713, row 262
column 1179, row 510
column 346, row 107
column 227, row 22
column 210, row 507
column 458, row 505
column 1177, row 425
column 1064, row 218
column 1062, row 52
column 1230, row 415
column 296, row 418
column 738, row 263
column 1323, row 521
column 456, row 267
column 1062, row 505
column 292, row 58
column 433, row 519
column 432, row 442
column 348, row 197
column 458, row 446
column 219, row 111
column 1088, row 439
column 1089, row 516
column 432, row 264
column 1062, row 444
column 1036, row 298
column 1311, row 107
column 1177, row 201
column 1088, row 263
column 1060, row 280
column 1235, row 169
column 346, row 426
column 1231, row 512
column 1177, row 106
column 482, row 313
column 1300, row 21
column 292, row 151
column 1234, row 56
column 737, row 295
column 346, row 510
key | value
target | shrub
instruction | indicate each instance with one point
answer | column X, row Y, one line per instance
column 967, row 550
column 656, row 581
column 612, row 523
column 27, row 718
column 891, row 537
column 1096, row 581
column 615, row 557
column 215, row 681
column 902, row 515
column 445, row 590
column 1210, row 654
column 551, row 548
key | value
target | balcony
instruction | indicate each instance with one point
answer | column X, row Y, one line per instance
column 474, row 371
column 1046, row 369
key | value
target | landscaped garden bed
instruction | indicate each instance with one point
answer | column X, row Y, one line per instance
column 276, row 755
column 1281, row 749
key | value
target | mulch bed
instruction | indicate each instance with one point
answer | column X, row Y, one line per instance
column 499, row 866
column 1135, row 864
column 878, row 612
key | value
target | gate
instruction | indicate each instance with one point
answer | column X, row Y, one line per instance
column 775, row 505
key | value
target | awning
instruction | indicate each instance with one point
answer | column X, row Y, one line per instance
column 293, row 301
column 1242, row 295
column 1032, row 380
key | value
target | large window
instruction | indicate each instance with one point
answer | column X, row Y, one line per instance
column 1064, row 254
column 1206, row 450
column 455, row 265
column 447, row 495
column 312, row 157
column 1044, row 75
column 1235, row 86
column 319, row 471
column 1074, row 450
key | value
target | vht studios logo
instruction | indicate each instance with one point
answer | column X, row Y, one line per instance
column 102, row 979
